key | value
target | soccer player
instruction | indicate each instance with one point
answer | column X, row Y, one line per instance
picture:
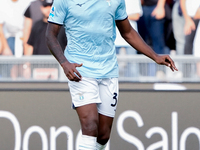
column 90, row 63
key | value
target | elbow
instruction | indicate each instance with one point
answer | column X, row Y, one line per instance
column 128, row 33
column 126, row 36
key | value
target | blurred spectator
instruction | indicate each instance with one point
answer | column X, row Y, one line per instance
column 154, row 21
column 177, row 23
column 151, row 27
column 196, row 47
column 134, row 11
column 0, row 46
column 36, row 41
column 11, row 25
column 168, row 30
column 193, row 9
column 32, row 14
column 5, row 49
column 191, row 14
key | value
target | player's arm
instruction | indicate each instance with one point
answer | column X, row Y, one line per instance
column 134, row 39
column 56, row 50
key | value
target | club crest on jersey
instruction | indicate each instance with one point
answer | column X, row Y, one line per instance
column 108, row 1
column 52, row 12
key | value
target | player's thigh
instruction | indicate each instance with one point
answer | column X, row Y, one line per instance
column 84, row 92
column 109, row 91
column 88, row 116
column 87, row 113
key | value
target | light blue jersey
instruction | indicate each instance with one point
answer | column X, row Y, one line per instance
column 90, row 29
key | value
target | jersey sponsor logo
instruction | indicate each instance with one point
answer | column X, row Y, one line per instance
column 52, row 12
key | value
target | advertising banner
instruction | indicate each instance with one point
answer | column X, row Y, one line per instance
column 145, row 120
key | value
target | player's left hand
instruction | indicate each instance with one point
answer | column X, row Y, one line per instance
column 166, row 60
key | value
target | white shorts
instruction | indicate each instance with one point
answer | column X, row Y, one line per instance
column 103, row 92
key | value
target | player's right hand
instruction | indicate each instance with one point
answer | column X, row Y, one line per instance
column 71, row 72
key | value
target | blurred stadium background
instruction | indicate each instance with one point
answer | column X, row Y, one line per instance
column 157, row 110
column 132, row 68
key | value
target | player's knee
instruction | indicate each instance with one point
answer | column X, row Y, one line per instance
column 103, row 139
column 103, row 136
column 90, row 127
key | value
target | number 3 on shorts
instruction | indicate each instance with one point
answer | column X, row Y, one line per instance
column 115, row 98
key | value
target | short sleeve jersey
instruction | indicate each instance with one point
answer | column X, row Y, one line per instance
column 91, row 31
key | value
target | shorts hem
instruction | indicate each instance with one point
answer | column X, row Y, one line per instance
column 106, row 114
column 83, row 104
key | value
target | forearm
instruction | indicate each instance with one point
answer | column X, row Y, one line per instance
column 0, row 46
column 3, row 39
column 26, row 33
column 134, row 39
column 5, row 49
column 197, row 15
column 28, row 51
column 183, row 9
column 54, row 46
column 56, row 49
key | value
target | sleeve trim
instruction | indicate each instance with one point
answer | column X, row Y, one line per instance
column 55, row 23
column 122, row 19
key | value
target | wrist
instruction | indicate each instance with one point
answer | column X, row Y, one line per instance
column 155, row 57
column 64, row 63
column 161, row 4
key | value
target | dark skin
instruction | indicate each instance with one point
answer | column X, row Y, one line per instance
column 134, row 39
column 92, row 123
column 127, row 32
column 57, row 52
